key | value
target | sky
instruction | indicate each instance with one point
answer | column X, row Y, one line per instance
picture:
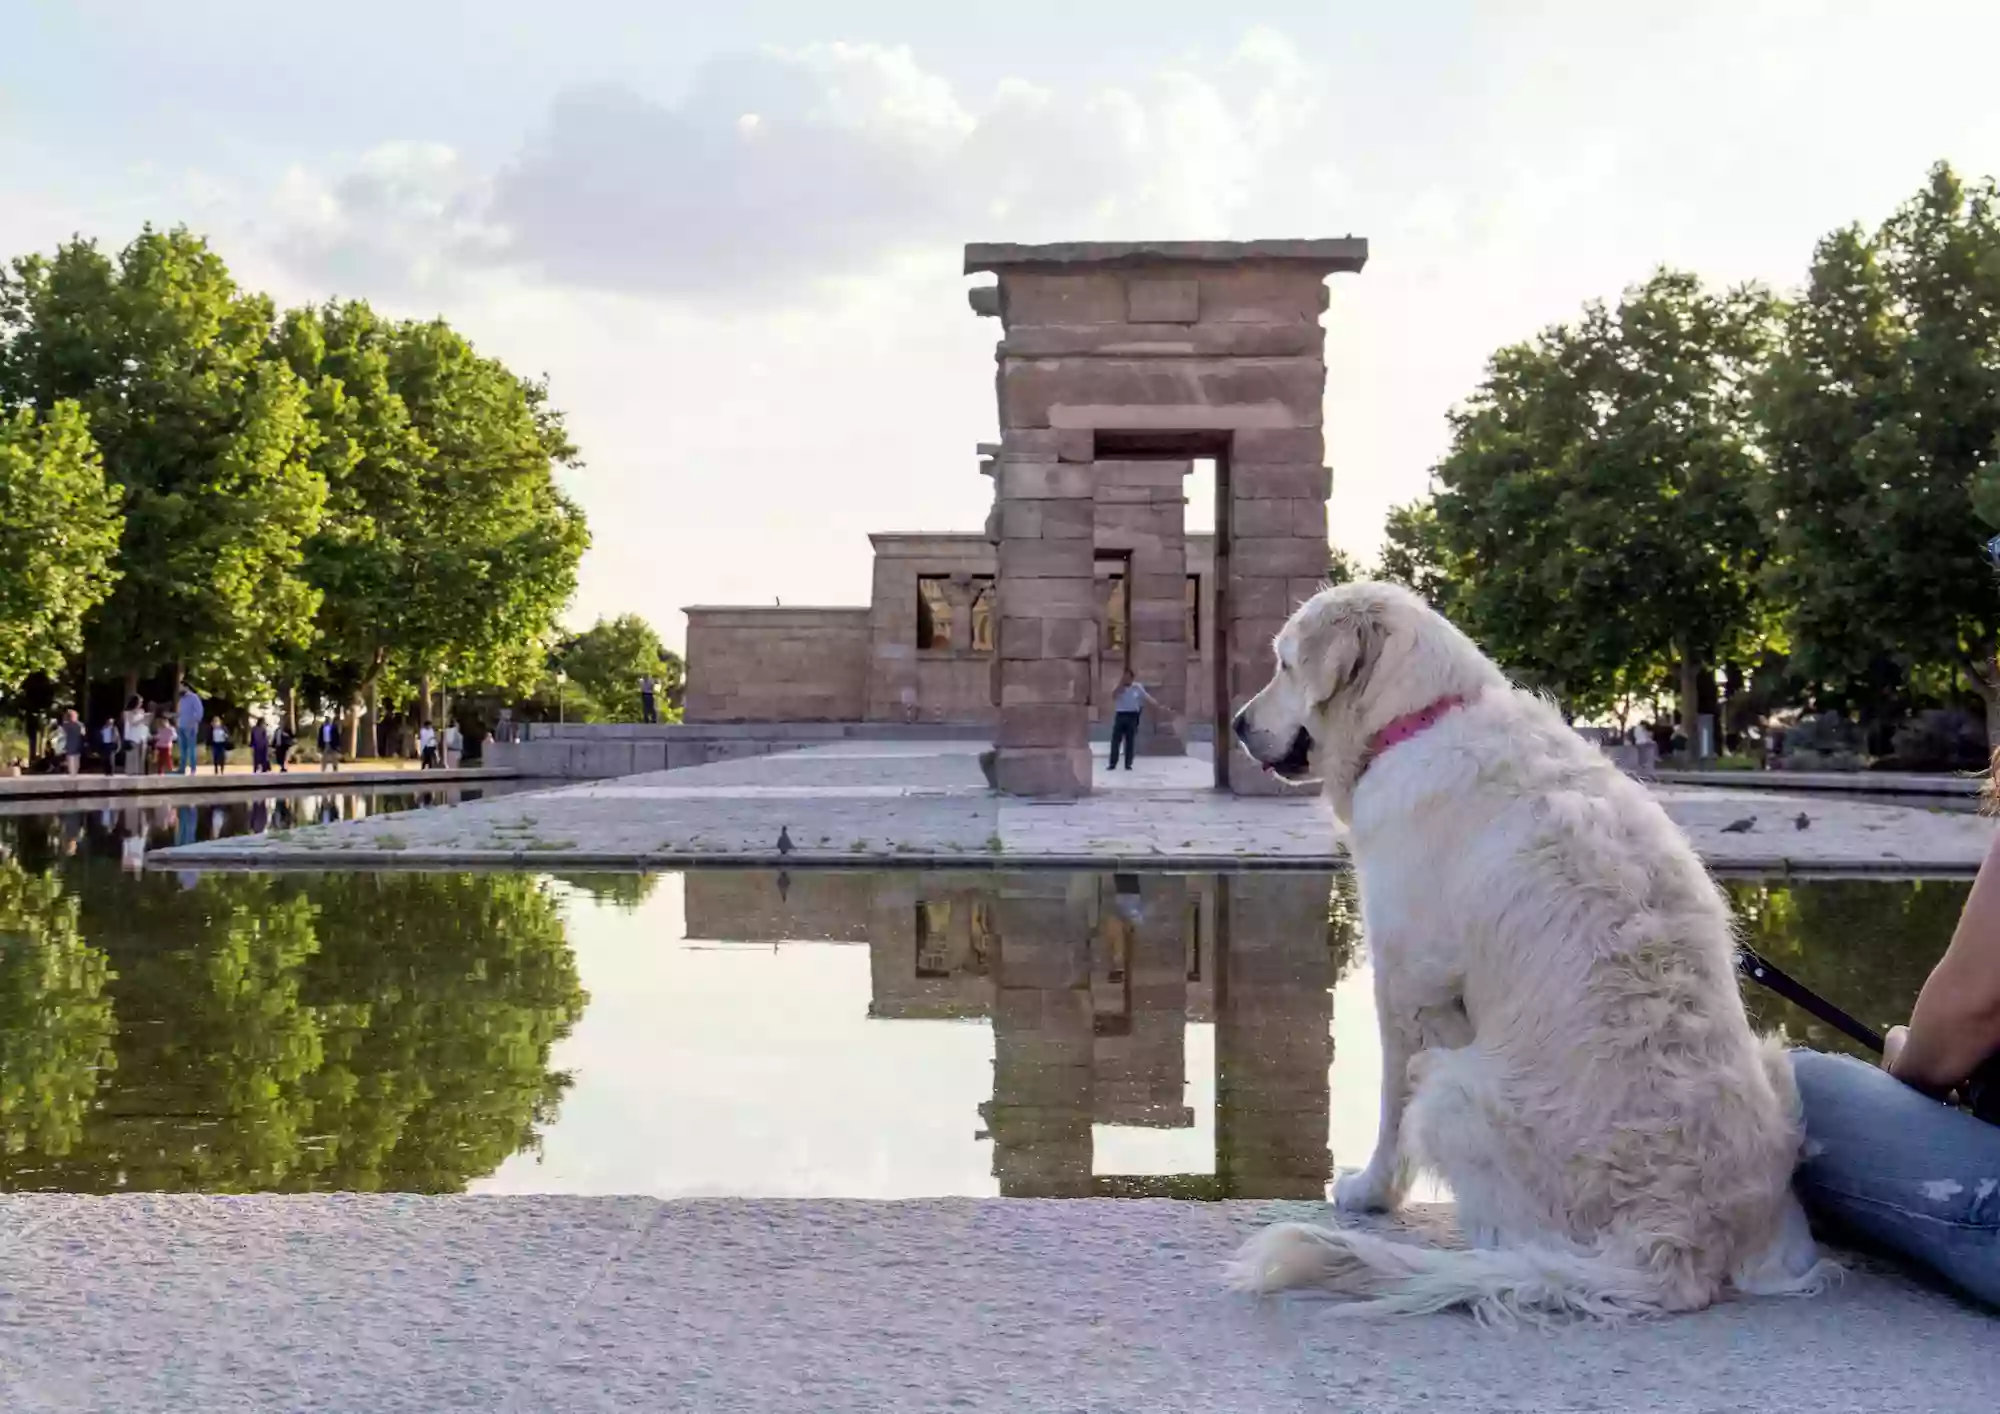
column 732, row 241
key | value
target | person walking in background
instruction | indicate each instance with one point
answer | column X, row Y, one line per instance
column 107, row 742
column 218, row 744
column 1127, row 706
column 329, row 745
column 138, row 732
column 187, row 719
column 260, row 748
column 427, row 747
column 163, row 746
column 649, row 708
column 281, row 746
column 71, row 742
column 454, row 745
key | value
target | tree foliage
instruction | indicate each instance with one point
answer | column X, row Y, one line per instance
column 1414, row 556
column 605, row 663
column 1594, row 512
column 209, row 439
column 329, row 499
column 493, row 547
column 1882, row 413
column 59, row 529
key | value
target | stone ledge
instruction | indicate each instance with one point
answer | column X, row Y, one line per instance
column 1341, row 253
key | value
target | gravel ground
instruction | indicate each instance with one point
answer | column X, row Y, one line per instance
column 426, row 1305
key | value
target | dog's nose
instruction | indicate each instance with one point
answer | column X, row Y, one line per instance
column 1241, row 726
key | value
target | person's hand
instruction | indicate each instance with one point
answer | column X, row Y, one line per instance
column 1892, row 1046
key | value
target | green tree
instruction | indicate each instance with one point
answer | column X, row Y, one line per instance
column 55, row 1019
column 208, row 437
column 1413, row 555
column 1342, row 568
column 373, row 462
column 605, row 663
column 1881, row 407
column 59, row 527
column 493, row 545
column 1596, row 501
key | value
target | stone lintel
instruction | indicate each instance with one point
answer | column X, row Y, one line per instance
column 1325, row 256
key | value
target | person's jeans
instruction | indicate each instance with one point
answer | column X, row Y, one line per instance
column 647, row 708
column 1125, row 728
column 1900, row 1171
column 190, row 757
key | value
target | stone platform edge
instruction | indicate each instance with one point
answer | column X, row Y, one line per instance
column 241, row 782
column 1807, row 782
column 208, row 858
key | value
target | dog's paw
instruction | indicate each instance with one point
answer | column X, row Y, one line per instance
column 1363, row 1192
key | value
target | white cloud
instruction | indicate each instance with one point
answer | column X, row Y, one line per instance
column 784, row 169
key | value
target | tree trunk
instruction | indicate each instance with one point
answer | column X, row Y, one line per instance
column 374, row 718
column 444, row 707
column 1690, row 699
column 424, row 701
column 131, row 688
column 289, row 702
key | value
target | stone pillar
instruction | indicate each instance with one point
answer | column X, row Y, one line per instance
column 1278, row 557
column 1048, row 619
column 1043, row 1037
column 1273, row 1035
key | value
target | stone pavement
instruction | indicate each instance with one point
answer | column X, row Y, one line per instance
column 926, row 803
column 380, row 1305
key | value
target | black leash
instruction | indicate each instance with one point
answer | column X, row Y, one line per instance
column 1981, row 1091
column 1800, row 995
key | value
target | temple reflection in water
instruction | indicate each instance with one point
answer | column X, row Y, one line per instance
column 1090, row 982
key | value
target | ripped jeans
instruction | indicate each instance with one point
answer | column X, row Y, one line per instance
column 1900, row 1171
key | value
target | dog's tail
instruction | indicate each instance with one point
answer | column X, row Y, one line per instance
column 1499, row 1286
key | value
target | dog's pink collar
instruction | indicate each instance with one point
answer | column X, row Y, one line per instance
column 1410, row 724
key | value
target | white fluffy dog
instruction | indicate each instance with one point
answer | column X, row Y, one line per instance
column 1562, row 1036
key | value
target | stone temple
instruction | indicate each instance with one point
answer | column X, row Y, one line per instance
column 1119, row 365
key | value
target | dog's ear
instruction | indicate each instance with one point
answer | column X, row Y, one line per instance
column 1338, row 651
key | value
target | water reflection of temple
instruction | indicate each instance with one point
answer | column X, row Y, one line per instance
column 1090, row 981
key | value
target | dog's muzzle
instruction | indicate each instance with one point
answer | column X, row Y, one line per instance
column 1296, row 764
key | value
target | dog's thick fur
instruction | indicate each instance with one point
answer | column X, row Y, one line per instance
column 1563, row 1039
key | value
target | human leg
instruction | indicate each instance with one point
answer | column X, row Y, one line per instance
column 1897, row 1168
column 1125, row 729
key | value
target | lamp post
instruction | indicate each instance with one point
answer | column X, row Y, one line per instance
column 561, row 678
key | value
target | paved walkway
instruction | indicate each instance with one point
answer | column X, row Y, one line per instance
column 926, row 803
column 361, row 1305
column 1846, row 782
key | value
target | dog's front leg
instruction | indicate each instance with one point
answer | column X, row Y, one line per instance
column 1382, row 1185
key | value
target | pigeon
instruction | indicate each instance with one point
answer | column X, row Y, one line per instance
column 784, row 839
column 1740, row 827
column 1803, row 821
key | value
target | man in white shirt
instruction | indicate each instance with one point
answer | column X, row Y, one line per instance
column 1127, row 706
